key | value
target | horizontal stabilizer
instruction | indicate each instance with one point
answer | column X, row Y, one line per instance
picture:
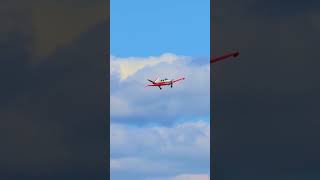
column 151, row 81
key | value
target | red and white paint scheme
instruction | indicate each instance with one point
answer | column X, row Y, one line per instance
column 164, row 82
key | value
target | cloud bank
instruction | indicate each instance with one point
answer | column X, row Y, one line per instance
column 159, row 134
column 157, row 151
column 131, row 99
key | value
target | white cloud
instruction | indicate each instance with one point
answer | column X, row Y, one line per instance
column 126, row 67
column 166, row 150
column 129, row 77
column 185, row 177
column 177, row 148
column 140, row 165
column 192, row 177
column 119, row 106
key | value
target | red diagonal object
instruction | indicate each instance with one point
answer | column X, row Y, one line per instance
column 234, row 54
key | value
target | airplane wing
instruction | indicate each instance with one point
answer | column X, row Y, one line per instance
column 150, row 85
column 234, row 54
column 156, row 84
column 180, row 79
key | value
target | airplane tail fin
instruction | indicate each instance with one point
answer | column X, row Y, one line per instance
column 157, row 80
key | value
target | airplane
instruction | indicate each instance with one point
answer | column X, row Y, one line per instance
column 233, row 54
column 164, row 82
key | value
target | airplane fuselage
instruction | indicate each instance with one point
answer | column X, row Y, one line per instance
column 164, row 82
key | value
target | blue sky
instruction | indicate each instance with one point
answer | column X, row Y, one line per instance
column 160, row 134
column 149, row 28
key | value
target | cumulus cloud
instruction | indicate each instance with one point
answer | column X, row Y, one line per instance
column 126, row 67
column 155, row 150
column 159, row 134
column 129, row 77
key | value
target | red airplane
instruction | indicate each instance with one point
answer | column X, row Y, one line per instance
column 164, row 82
column 234, row 54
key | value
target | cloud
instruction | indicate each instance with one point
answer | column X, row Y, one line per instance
column 185, row 177
column 188, row 138
column 160, row 150
column 192, row 177
column 120, row 106
column 126, row 67
column 140, row 166
column 189, row 97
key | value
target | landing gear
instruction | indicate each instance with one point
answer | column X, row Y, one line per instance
column 160, row 87
column 171, row 84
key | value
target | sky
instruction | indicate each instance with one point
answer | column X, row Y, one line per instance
column 159, row 134
column 265, row 103
column 149, row 28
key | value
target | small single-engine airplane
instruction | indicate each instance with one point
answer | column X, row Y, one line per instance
column 234, row 54
column 164, row 82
